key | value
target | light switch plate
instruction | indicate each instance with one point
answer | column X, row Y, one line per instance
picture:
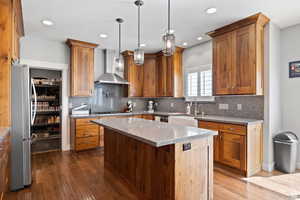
column 134, row 104
column 223, row 106
column 172, row 105
column 239, row 106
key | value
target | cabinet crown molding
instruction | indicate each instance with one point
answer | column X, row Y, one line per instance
column 258, row 18
column 71, row 42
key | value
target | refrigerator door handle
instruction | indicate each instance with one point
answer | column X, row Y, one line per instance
column 33, row 111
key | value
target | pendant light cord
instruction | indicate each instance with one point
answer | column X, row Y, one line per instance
column 169, row 16
column 119, row 40
column 139, row 26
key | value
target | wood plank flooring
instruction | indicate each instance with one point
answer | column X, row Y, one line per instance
column 81, row 176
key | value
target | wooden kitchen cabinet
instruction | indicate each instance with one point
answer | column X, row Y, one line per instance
column 133, row 74
column 170, row 74
column 238, row 57
column 85, row 134
column 5, row 159
column 82, row 68
column 160, row 76
column 150, row 76
column 17, row 28
column 11, row 29
column 148, row 117
column 223, row 64
column 237, row 146
column 232, row 150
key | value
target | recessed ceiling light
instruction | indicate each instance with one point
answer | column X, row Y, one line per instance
column 211, row 10
column 185, row 44
column 143, row 45
column 199, row 38
column 47, row 22
column 103, row 35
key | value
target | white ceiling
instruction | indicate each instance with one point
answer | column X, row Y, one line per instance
column 86, row 19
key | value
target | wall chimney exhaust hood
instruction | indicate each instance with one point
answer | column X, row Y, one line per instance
column 112, row 75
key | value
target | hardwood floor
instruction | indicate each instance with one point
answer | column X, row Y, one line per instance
column 81, row 176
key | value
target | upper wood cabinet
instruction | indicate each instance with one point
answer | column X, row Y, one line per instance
column 170, row 75
column 11, row 29
column 150, row 76
column 17, row 28
column 133, row 74
column 82, row 68
column 160, row 76
column 238, row 57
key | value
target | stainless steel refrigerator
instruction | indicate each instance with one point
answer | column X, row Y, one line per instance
column 21, row 122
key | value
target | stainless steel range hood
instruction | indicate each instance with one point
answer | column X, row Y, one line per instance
column 110, row 75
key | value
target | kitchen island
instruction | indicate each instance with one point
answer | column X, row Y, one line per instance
column 161, row 161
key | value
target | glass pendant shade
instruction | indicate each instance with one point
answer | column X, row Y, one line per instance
column 119, row 63
column 138, row 56
column 169, row 44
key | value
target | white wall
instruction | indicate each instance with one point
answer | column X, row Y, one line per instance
column 197, row 55
column 272, row 93
column 44, row 50
column 38, row 49
column 290, row 51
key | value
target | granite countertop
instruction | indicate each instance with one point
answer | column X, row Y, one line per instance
column 231, row 120
column 155, row 133
column 211, row 118
column 128, row 114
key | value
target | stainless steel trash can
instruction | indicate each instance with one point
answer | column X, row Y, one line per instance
column 285, row 147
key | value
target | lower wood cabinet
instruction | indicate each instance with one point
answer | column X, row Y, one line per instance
column 237, row 146
column 85, row 134
column 232, row 150
column 5, row 151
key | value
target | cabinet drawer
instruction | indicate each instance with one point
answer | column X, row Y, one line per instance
column 85, row 121
column 87, row 143
column 238, row 129
column 209, row 125
column 87, row 131
column 85, row 128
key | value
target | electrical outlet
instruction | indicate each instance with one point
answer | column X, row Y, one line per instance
column 70, row 105
column 223, row 106
column 134, row 104
column 172, row 105
column 239, row 106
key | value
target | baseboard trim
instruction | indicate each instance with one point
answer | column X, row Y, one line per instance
column 269, row 167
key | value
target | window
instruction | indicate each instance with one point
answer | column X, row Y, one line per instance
column 206, row 83
column 192, row 84
column 198, row 84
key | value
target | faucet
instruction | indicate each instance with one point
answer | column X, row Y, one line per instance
column 196, row 109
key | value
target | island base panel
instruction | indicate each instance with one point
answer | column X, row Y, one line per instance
column 164, row 173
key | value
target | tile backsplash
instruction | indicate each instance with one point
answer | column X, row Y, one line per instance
column 234, row 106
column 110, row 98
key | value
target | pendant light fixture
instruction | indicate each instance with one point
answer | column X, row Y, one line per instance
column 169, row 37
column 119, row 62
column 139, row 52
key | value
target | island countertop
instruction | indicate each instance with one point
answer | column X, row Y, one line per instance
column 155, row 133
